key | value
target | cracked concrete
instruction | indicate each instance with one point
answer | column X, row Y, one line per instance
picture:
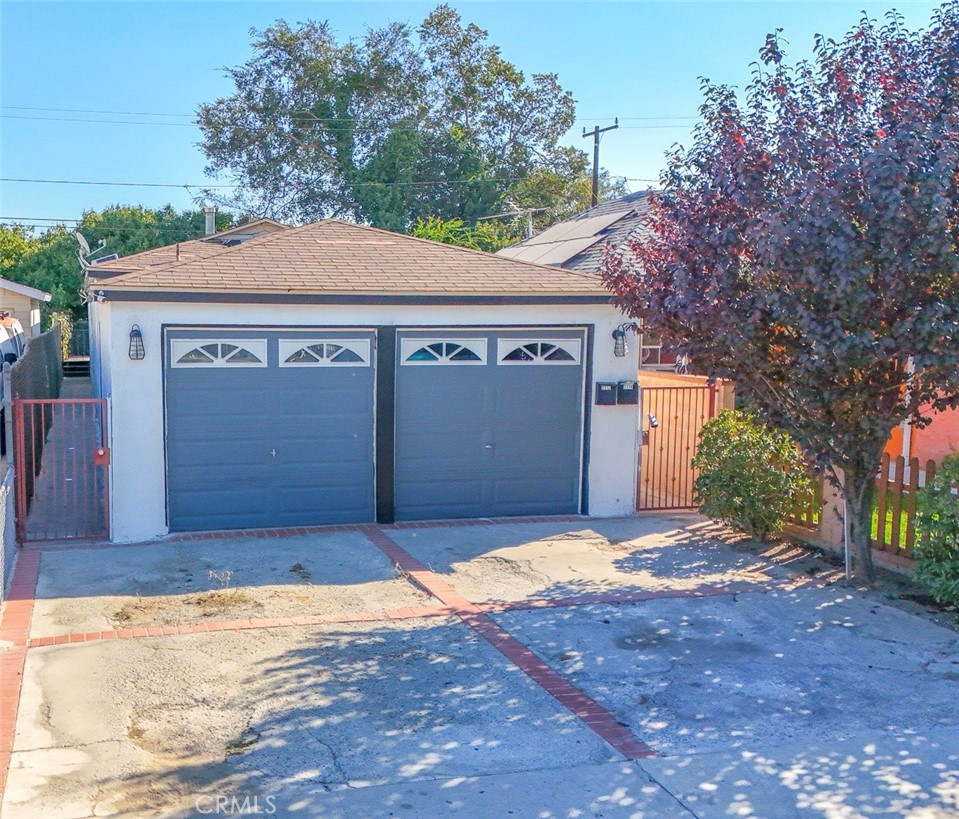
column 785, row 701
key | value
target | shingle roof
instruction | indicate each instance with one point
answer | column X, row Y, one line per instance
column 181, row 251
column 567, row 244
column 331, row 256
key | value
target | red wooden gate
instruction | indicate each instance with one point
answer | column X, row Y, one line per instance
column 672, row 419
column 61, row 463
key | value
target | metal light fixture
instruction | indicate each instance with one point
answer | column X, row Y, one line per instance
column 619, row 338
column 137, row 352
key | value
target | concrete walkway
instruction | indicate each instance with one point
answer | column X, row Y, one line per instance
column 633, row 667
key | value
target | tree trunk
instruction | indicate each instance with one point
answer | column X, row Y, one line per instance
column 858, row 490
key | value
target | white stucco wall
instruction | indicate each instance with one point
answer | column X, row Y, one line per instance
column 100, row 347
column 138, row 503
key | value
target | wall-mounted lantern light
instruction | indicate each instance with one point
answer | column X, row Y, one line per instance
column 619, row 338
column 137, row 352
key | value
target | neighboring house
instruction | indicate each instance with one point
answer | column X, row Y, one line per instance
column 931, row 443
column 23, row 303
column 333, row 374
column 580, row 243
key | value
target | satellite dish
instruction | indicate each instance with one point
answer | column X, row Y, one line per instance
column 84, row 245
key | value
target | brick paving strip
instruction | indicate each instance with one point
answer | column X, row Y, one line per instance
column 407, row 613
column 18, row 611
column 14, row 630
column 591, row 713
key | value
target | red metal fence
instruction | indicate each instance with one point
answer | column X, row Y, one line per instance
column 62, row 469
column 666, row 474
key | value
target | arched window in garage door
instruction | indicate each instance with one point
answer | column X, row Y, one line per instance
column 531, row 351
column 324, row 353
column 443, row 351
column 215, row 353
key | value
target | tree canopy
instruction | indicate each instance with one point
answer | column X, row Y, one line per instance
column 399, row 125
column 807, row 244
column 49, row 261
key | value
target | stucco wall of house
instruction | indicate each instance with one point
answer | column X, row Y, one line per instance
column 138, row 504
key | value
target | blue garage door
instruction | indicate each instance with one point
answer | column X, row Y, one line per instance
column 488, row 424
column 269, row 428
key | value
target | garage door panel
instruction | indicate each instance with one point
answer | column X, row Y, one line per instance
column 225, row 507
column 280, row 445
column 458, row 499
column 515, row 430
column 522, row 491
column 326, row 498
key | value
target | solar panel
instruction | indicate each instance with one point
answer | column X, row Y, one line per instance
column 581, row 228
column 564, row 251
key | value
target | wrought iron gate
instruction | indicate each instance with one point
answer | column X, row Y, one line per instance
column 672, row 419
column 61, row 463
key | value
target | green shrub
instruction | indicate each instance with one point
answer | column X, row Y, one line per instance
column 750, row 476
column 63, row 318
column 937, row 524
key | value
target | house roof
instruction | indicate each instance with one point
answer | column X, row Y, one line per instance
column 24, row 290
column 334, row 257
column 184, row 251
column 578, row 243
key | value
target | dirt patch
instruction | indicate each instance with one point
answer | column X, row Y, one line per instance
column 257, row 602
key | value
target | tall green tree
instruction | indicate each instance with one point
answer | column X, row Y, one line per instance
column 807, row 245
column 16, row 241
column 399, row 125
column 50, row 260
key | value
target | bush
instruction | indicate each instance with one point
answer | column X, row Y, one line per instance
column 64, row 320
column 937, row 524
column 750, row 476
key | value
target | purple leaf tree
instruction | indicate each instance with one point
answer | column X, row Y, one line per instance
column 806, row 245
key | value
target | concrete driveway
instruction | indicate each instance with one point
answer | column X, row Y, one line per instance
column 629, row 667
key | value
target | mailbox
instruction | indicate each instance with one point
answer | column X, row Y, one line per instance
column 627, row 392
column 606, row 393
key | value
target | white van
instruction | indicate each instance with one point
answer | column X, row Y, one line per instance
column 12, row 344
column 12, row 341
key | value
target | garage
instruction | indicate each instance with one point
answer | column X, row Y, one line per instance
column 489, row 423
column 269, row 429
column 333, row 374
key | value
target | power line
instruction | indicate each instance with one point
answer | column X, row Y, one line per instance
column 114, row 184
column 328, row 128
column 92, row 111
column 204, row 186
column 320, row 119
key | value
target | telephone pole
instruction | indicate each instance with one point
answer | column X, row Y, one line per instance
column 595, row 133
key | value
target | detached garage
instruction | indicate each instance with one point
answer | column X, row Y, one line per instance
column 328, row 374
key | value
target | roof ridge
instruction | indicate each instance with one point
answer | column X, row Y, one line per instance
column 470, row 250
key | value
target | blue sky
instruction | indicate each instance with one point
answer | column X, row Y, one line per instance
column 638, row 61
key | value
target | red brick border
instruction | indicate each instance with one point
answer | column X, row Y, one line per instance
column 208, row 626
column 244, row 534
column 14, row 630
column 591, row 713
column 18, row 611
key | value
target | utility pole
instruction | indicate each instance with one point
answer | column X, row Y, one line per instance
column 595, row 133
